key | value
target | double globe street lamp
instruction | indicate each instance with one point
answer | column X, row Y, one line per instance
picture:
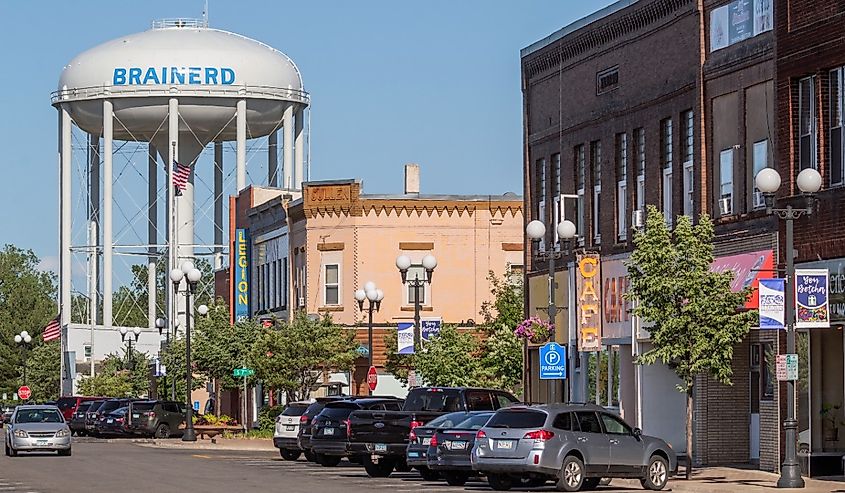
column 24, row 340
column 429, row 263
column 126, row 332
column 566, row 231
column 374, row 296
column 809, row 182
column 192, row 275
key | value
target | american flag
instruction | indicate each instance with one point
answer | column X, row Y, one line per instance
column 53, row 330
column 180, row 176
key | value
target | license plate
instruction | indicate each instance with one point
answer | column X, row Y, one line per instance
column 504, row 444
column 41, row 443
column 426, row 441
column 456, row 445
column 136, row 415
column 380, row 447
column 413, row 454
column 109, row 421
column 288, row 427
column 328, row 431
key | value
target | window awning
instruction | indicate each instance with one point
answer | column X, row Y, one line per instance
column 748, row 268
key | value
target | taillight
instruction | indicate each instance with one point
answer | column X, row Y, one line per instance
column 480, row 435
column 433, row 441
column 303, row 419
column 348, row 427
column 119, row 420
column 152, row 414
column 412, row 437
column 541, row 435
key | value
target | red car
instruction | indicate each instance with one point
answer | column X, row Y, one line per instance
column 68, row 405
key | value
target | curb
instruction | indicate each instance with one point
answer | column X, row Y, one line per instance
column 208, row 445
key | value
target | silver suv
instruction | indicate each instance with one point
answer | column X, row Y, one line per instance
column 573, row 444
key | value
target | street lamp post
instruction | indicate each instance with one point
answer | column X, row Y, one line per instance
column 566, row 231
column 123, row 333
column 429, row 263
column 192, row 275
column 374, row 296
column 809, row 181
column 24, row 339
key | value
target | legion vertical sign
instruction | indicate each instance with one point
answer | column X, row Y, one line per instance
column 588, row 292
column 241, row 277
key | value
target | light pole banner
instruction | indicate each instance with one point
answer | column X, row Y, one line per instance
column 429, row 328
column 811, row 298
column 588, row 291
column 772, row 303
column 405, row 337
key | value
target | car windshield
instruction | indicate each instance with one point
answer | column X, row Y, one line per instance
column 314, row 408
column 517, row 418
column 435, row 400
column 143, row 406
column 110, row 406
column 38, row 416
column 83, row 407
column 95, row 406
column 294, row 410
column 474, row 422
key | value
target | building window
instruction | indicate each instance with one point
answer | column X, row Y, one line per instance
column 607, row 80
column 580, row 166
column 515, row 273
column 688, row 153
column 726, row 182
column 541, row 195
column 556, row 175
column 835, row 137
column 639, row 141
column 666, row 163
column 417, row 272
column 595, row 163
column 806, row 124
column 621, row 186
column 331, row 287
column 761, row 160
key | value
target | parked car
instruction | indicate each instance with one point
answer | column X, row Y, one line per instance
column 114, row 423
column 91, row 416
column 303, row 435
column 287, row 429
column 382, row 436
column 450, row 447
column 77, row 421
column 575, row 445
column 416, row 454
column 328, row 429
column 69, row 405
column 160, row 419
column 37, row 428
column 6, row 413
column 105, row 408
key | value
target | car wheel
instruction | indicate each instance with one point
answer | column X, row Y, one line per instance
column 65, row 453
column 571, row 476
column 402, row 465
column 288, row 454
column 454, row 478
column 500, row 482
column 8, row 452
column 382, row 469
column 590, row 484
column 162, row 431
column 657, row 473
column 328, row 460
column 427, row 474
column 310, row 457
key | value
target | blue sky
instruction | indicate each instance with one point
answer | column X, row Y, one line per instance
column 436, row 83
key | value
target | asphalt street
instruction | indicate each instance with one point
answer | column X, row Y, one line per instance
column 112, row 466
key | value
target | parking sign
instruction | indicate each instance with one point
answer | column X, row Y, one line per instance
column 552, row 361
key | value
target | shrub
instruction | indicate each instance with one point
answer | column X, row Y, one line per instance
column 267, row 417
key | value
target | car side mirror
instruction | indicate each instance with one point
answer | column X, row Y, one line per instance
column 637, row 433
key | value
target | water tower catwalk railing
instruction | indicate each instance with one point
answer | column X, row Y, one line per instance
column 240, row 91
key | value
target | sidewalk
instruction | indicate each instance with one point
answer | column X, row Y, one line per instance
column 726, row 479
column 255, row 444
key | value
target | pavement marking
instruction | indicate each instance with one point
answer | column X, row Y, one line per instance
column 201, row 456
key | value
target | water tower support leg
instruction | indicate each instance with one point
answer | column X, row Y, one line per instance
column 218, row 204
column 241, row 144
column 108, row 125
column 152, row 230
column 65, row 163
column 273, row 159
column 298, row 146
column 288, row 149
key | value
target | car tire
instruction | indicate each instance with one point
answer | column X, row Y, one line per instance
column 656, row 474
column 288, row 454
column 401, row 465
column 455, row 478
column 328, row 460
column 310, row 457
column 382, row 469
column 590, row 484
column 427, row 474
column 571, row 475
column 500, row 482
column 162, row 431
column 65, row 453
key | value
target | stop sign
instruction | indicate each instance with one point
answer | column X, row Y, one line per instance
column 24, row 393
column 372, row 378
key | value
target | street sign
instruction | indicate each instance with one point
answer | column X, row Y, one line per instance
column 552, row 361
column 363, row 350
column 787, row 367
column 243, row 372
column 372, row 378
column 412, row 379
column 24, row 393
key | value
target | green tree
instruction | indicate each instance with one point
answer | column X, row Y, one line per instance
column 172, row 356
column 695, row 316
column 501, row 350
column 42, row 371
column 292, row 356
column 118, row 377
column 451, row 359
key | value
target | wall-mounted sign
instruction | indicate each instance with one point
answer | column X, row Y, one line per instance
column 786, row 367
column 241, row 278
column 430, row 327
column 811, row 298
column 616, row 310
column 588, row 292
column 738, row 21
column 772, row 303
column 405, row 338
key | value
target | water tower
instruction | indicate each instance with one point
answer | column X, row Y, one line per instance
column 178, row 87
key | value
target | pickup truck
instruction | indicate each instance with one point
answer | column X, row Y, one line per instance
column 381, row 437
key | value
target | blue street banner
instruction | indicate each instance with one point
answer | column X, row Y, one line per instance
column 811, row 298
column 430, row 327
column 552, row 361
column 772, row 303
column 240, row 280
column 405, row 337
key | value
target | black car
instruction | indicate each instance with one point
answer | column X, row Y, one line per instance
column 161, row 419
column 416, row 455
column 328, row 429
column 101, row 412
column 91, row 416
column 450, row 447
column 303, row 438
column 77, row 420
column 113, row 424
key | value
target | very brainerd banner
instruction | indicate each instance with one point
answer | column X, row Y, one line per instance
column 772, row 303
column 405, row 337
column 811, row 298
column 588, row 291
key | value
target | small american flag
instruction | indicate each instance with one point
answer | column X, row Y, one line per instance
column 53, row 330
column 180, row 176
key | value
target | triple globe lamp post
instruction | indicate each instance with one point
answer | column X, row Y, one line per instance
column 192, row 275
column 24, row 340
column 373, row 296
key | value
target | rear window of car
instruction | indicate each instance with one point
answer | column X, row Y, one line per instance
column 434, row 400
column 474, row 422
column 294, row 411
column 143, row 406
column 83, row 407
column 66, row 402
column 110, row 406
column 119, row 411
column 314, row 408
column 513, row 418
column 447, row 420
column 95, row 406
column 339, row 411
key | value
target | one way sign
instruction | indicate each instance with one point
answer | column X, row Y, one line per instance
column 552, row 361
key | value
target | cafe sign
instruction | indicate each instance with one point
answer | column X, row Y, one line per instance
column 588, row 291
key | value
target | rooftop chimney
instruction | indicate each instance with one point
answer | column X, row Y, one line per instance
column 412, row 179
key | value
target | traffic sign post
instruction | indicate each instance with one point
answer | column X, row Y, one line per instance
column 372, row 379
column 243, row 372
column 552, row 361
column 786, row 368
column 24, row 393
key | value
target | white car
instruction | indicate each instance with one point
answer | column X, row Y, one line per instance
column 287, row 429
column 37, row 429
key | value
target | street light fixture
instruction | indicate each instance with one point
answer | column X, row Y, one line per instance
column 566, row 231
column 24, row 340
column 123, row 333
column 429, row 263
column 809, row 182
column 374, row 296
column 192, row 275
